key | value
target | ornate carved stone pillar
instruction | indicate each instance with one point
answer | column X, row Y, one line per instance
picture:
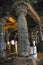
column 2, row 35
column 23, row 41
column 21, row 8
column 41, row 31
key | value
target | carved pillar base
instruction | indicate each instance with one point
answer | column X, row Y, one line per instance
column 24, row 61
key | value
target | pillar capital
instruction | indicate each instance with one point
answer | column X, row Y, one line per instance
column 20, row 7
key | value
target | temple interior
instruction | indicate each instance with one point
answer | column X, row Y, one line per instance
column 21, row 32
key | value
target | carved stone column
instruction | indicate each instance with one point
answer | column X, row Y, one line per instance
column 2, row 35
column 40, row 25
column 40, row 31
column 23, row 41
column 23, row 35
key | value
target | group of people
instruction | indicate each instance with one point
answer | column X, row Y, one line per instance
column 12, row 46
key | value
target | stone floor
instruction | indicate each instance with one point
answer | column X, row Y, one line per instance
column 32, row 60
column 10, row 62
column 18, row 61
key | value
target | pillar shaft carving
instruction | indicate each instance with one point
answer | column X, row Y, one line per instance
column 23, row 41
